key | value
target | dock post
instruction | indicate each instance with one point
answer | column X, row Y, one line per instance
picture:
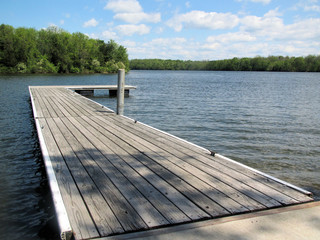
column 120, row 92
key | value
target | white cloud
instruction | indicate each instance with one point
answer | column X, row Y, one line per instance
column 271, row 28
column 268, row 25
column 315, row 8
column 307, row 29
column 109, row 35
column 136, row 17
column 53, row 25
column 123, row 6
column 130, row 11
column 232, row 37
column 131, row 29
column 91, row 23
column 307, row 5
column 261, row 1
column 128, row 43
column 265, row 2
column 61, row 22
column 200, row 19
column 168, row 48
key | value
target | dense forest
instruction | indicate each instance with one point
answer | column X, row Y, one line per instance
column 53, row 50
column 271, row 63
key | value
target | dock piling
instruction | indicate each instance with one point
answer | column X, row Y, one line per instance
column 120, row 92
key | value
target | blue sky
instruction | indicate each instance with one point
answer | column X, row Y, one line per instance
column 181, row 29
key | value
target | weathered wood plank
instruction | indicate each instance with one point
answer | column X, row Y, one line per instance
column 237, row 201
column 49, row 96
column 150, row 184
column 280, row 192
column 120, row 209
column 80, row 219
column 119, row 175
column 83, row 105
column 46, row 102
column 38, row 112
column 90, row 193
column 208, row 165
column 209, row 206
column 142, row 204
column 44, row 110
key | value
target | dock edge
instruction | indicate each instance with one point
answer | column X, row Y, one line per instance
column 233, row 161
column 62, row 216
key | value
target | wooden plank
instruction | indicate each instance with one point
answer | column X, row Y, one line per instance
column 88, row 87
column 193, row 174
column 56, row 102
column 44, row 110
column 125, row 176
column 82, row 225
column 74, row 104
column 192, row 188
column 46, row 102
column 262, row 183
column 271, row 182
column 219, row 171
column 149, row 183
column 64, row 105
column 121, row 209
column 49, row 96
column 37, row 112
column 92, row 107
column 146, row 210
column 94, row 200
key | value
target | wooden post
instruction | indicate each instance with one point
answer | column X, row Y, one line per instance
column 120, row 92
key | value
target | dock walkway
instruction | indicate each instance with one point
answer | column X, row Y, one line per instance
column 112, row 175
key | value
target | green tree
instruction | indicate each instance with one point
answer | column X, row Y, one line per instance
column 7, row 46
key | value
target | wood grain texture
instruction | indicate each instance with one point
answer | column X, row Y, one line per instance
column 117, row 175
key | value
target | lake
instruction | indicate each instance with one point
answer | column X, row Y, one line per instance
column 269, row 121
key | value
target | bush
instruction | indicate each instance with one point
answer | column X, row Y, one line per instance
column 44, row 66
column 74, row 70
column 21, row 68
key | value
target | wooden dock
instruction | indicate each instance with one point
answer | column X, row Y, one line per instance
column 112, row 175
column 88, row 90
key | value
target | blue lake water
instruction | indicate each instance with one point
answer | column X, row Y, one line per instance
column 269, row 121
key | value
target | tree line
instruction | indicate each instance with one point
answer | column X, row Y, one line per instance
column 54, row 50
column 309, row 63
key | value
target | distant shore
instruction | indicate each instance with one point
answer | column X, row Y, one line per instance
column 309, row 63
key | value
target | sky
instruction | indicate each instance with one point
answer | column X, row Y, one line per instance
column 181, row 29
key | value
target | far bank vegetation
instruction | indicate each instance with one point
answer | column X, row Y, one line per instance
column 272, row 63
column 54, row 50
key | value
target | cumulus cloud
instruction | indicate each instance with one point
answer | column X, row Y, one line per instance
column 91, row 23
column 232, row 37
column 271, row 27
column 109, row 35
column 307, row 5
column 168, row 48
column 136, row 17
column 130, row 11
column 131, row 29
column 121, row 6
column 201, row 19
